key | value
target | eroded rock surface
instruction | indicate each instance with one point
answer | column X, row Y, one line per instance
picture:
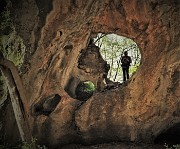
column 139, row 111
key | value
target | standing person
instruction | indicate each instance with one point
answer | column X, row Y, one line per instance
column 125, row 63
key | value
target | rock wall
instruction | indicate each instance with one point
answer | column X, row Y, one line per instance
column 55, row 34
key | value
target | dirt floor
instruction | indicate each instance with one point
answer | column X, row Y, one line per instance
column 116, row 146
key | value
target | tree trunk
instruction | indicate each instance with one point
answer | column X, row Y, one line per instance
column 118, row 64
column 18, row 99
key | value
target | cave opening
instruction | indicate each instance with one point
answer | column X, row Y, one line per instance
column 84, row 90
column 112, row 48
column 170, row 137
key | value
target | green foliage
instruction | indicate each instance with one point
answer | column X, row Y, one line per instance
column 133, row 68
column 12, row 48
column 177, row 146
column 88, row 87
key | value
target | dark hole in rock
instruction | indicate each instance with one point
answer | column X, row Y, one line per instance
column 68, row 46
column 84, row 90
column 47, row 105
column 60, row 33
column 170, row 137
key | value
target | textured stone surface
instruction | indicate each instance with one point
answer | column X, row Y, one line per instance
column 138, row 111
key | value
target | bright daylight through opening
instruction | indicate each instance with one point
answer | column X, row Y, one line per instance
column 112, row 48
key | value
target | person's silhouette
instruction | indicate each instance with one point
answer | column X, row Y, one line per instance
column 125, row 63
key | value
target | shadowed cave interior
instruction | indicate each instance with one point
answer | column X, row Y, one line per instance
column 170, row 136
column 77, row 88
column 46, row 105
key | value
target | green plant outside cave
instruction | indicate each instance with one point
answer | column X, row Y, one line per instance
column 133, row 68
column 85, row 90
column 13, row 48
column 88, row 87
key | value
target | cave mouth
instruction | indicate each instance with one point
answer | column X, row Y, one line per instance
column 112, row 48
column 170, row 136
column 84, row 90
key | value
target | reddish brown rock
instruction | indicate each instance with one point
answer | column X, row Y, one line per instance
column 55, row 33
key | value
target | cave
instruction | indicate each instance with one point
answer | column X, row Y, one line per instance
column 85, row 90
column 57, row 57
column 112, row 48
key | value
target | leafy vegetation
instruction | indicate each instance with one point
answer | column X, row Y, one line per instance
column 12, row 48
column 112, row 48
column 88, row 86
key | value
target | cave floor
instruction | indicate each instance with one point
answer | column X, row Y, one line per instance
column 119, row 145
